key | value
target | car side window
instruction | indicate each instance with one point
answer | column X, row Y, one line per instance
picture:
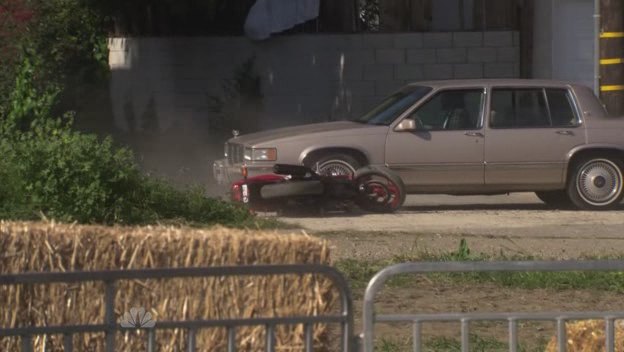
column 519, row 108
column 451, row 110
column 561, row 111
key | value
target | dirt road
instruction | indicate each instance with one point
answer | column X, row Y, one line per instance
column 518, row 224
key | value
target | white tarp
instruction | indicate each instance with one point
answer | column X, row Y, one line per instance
column 273, row 16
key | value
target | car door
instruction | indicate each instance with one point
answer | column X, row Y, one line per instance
column 445, row 153
column 530, row 131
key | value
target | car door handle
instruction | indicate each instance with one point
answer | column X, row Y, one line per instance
column 565, row 133
column 474, row 134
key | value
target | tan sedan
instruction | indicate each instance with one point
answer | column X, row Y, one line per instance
column 463, row 137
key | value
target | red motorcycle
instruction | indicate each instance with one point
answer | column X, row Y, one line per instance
column 372, row 188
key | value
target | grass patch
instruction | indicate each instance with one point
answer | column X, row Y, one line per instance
column 359, row 272
column 446, row 344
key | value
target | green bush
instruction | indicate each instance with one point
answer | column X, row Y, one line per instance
column 71, row 176
column 48, row 169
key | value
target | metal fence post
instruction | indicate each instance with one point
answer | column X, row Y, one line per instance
column 109, row 315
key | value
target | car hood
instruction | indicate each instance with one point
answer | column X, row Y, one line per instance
column 338, row 128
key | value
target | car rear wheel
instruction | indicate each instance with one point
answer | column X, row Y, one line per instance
column 596, row 183
column 555, row 199
column 336, row 165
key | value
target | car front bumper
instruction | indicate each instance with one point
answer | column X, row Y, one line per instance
column 225, row 173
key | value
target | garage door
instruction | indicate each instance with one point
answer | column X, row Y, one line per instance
column 573, row 41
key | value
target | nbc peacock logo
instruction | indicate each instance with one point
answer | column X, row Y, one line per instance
column 137, row 318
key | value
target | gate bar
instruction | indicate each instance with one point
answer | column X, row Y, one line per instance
column 379, row 280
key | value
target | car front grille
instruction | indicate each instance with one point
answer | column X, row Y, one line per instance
column 235, row 153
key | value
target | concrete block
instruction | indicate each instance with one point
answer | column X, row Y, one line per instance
column 508, row 54
column 194, row 85
column 378, row 41
column 491, row 39
column 320, row 42
column 451, row 56
column 437, row 40
column 468, row 71
column 408, row 40
column 188, row 100
column 350, row 71
column 387, row 87
column 421, row 56
column 408, row 72
column 467, row 39
column 378, row 71
column 359, row 56
column 321, row 58
column 438, row 71
column 516, row 38
column 476, row 55
column 500, row 70
column 390, row 56
column 353, row 87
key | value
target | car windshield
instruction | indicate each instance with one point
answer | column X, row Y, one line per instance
column 393, row 106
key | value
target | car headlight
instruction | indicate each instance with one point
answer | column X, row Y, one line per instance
column 261, row 154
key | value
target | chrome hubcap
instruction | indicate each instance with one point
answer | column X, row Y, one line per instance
column 599, row 182
column 335, row 168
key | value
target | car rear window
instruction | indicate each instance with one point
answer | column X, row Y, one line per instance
column 561, row 111
column 531, row 108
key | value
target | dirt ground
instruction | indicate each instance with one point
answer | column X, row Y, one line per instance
column 427, row 297
column 518, row 224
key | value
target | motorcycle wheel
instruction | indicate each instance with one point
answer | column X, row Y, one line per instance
column 379, row 190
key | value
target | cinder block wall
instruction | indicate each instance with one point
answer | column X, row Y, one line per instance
column 305, row 78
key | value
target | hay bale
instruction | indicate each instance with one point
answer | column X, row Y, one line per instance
column 45, row 247
column 588, row 336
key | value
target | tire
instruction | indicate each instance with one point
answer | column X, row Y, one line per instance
column 292, row 189
column 595, row 183
column 555, row 199
column 336, row 165
column 372, row 180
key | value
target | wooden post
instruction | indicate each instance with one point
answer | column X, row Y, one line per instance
column 612, row 55
column 526, row 25
column 394, row 15
column 338, row 16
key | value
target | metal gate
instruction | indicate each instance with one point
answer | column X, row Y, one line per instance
column 344, row 319
column 110, row 326
column 512, row 319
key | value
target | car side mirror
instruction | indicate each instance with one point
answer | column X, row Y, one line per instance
column 409, row 125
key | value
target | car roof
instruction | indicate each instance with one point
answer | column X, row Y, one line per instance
column 455, row 83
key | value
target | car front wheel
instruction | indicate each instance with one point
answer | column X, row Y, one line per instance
column 596, row 183
column 336, row 165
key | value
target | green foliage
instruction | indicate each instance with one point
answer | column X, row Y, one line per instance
column 28, row 102
column 359, row 272
column 62, row 46
column 71, row 176
column 48, row 168
column 477, row 344
column 445, row 344
column 70, row 36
